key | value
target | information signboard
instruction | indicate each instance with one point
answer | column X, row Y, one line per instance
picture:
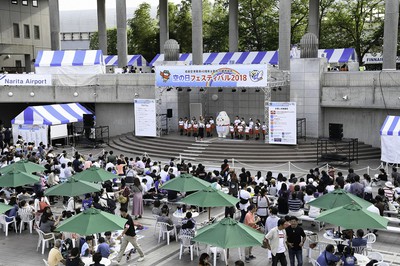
column 282, row 123
column 145, row 117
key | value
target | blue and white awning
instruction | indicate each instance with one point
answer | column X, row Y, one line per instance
column 69, row 58
column 133, row 60
column 270, row 57
column 55, row 114
column 391, row 126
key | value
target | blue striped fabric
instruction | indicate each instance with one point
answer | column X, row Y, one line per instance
column 79, row 58
column 69, row 58
column 57, row 58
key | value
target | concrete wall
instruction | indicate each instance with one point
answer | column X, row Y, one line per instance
column 118, row 116
column 305, row 86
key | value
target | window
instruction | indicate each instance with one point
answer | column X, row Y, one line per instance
column 18, row 63
column 14, row 2
column 27, row 32
column 16, row 30
column 36, row 32
column 24, row 2
column 35, row 3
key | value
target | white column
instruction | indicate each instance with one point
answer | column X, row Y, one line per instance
column 197, row 32
column 233, row 25
column 122, row 42
column 54, row 14
column 284, row 34
column 101, row 25
column 164, row 23
column 390, row 33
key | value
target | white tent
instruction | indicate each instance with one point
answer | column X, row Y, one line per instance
column 390, row 140
column 33, row 123
column 72, row 68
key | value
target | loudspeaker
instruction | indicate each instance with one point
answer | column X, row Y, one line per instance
column 335, row 131
column 88, row 120
column 169, row 113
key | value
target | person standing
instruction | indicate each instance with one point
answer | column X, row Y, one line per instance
column 295, row 241
column 251, row 221
column 137, row 191
column 276, row 242
column 128, row 236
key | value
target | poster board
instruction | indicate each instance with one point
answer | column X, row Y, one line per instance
column 58, row 131
column 282, row 123
column 145, row 117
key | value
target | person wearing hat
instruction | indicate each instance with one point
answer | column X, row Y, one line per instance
column 389, row 191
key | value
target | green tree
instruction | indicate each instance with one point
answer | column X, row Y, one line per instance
column 180, row 29
column 299, row 20
column 258, row 25
column 216, row 30
column 354, row 23
column 111, row 41
column 143, row 38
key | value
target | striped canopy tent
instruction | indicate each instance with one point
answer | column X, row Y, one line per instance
column 268, row 57
column 390, row 140
column 133, row 60
column 33, row 123
column 70, row 62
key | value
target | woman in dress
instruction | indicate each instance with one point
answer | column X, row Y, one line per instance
column 137, row 191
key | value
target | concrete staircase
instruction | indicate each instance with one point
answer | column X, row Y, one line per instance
column 214, row 149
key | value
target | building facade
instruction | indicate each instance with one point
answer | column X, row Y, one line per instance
column 24, row 30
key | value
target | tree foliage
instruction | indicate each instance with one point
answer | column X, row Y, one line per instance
column 352, row 23
column 111, row 41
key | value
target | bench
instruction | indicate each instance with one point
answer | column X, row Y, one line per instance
column 393, row 229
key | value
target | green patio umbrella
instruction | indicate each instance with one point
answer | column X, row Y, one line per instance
column 16, row 178
column 92, row 221
column 338, row 198
column 4, row 207
column 185, row 183
column 210, row 197
column 23, row 166
column 94, row 174
column 72, row 187
column 353, row 216
column 229, row 233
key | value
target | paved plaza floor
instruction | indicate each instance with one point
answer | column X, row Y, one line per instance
column 20, row 249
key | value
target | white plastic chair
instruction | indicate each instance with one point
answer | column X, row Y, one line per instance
column 375, row 256
column 26, row 218
column 45, row 262
column 156, row 224
column 371, row 238
column 164, row 231
column 4, row 223
column 186, row 242
column 381, row 264
column 44, row 239
column 360, row 249
column 314, row 262
column 214, row 251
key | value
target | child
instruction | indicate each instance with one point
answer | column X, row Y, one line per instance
column 180, row 125
column 189, row 129
column 208, row 129
column 247, row 132
column 195, row 130
column 240, row 131
column 212, row 123
column 348, row 257
column 257, row 130
column 232, row 130
column 185, row 126
column 264, row 130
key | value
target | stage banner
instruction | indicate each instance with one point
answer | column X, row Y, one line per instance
column 145, row 117
column 282, row 123
column 211, row 76
column 25, row 80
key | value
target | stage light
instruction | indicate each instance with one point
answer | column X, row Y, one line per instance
column 169, row 88
column 244, row 90
column 279, row 88
column 76, row 94
column 233, row 90
column 220, row 90
column 274, row 89
column 189, row 90
column 257, row 90
column 136, row 95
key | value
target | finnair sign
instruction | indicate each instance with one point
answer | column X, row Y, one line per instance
column 25, row 80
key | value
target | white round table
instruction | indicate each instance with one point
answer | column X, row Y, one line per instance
column 362, row 260
column 183, row 215
column 88, row 261
column 337, row 240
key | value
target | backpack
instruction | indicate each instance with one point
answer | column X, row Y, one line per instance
column 111, row 205
column 42, row 206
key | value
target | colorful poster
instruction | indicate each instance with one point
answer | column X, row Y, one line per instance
column 145, row 118
column 212, row 76
column 282, row 123
column 25, row 80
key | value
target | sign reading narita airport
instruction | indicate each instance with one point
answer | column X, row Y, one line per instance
column 25, row 80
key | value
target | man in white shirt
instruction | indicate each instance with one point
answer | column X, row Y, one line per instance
column 276, row 243
column 244, row 201
column 149, row 183
column 110, row 165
